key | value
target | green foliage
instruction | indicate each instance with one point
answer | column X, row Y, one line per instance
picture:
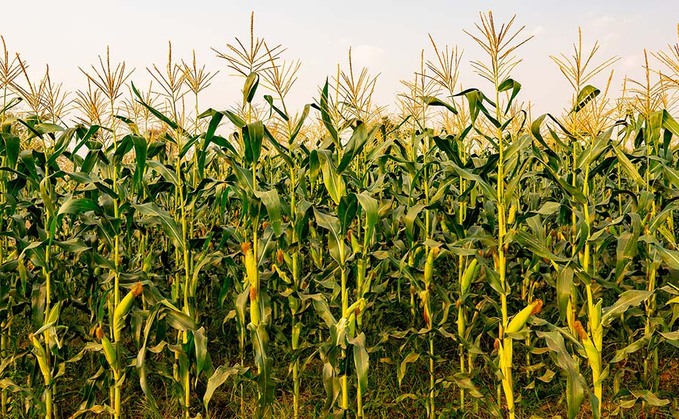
column 472, row 256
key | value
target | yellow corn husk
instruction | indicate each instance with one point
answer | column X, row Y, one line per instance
column 521, row 318
column 41, row 356
column 252, row 278
column 296, row 331
column 429, row 264
column 255, row 313
column 461, row 322
column 123, row 308
column 250, row 263
column 468, row 276
column 512, row 215
column 110, row 352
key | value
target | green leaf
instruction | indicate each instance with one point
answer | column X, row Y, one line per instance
column 167, row 173
column 515, row 87
column 250, row 87
column 627, row 167
column 253, row 134
column 265, row 383
column 564, row 283
column 322, row 308
column 172, row 124
column 549, row 208
column 346, row 211
column 202, row 355
column 584, row 97
column 672, row 176
column 465, row 382
column 72, row 245
column 671, row 337
column 532, row 243
column 178, row 319
column 333, row 225
column 334, row 183
column 649, row 398
column 361, row 361
column 282, row 151
column 12, row 146
column 209, row 136
column 669, row 123
column 61, row 144
column 371, row 209
column 670, row 257
column 626, row 300
column 78, row 206
column 325, row 113
column 165, row 219
column 235, row 119
column 140, row 150
column 219, row 377
column 622, row 354
column 269, row 100
column 358, row 139
column 575, row 382
column 596, row 148
column 432, row 101
column 409, row 220
column 409, row 359
column 488, row 191
column 272, row 202
column 300, row 124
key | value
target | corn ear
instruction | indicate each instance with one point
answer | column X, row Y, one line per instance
column 468, row 276
column 521, row 318
column 255, row 313
column 250, row 263
column 296, row 331
column 123, row 308
column 461, row 322
column 110, row 352
column 429, row 264
column 512, row 215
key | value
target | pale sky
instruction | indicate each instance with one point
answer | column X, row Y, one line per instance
column 386, row 36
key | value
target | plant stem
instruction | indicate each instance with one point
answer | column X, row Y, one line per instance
column 432, row 379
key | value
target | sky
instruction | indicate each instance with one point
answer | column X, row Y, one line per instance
column 385, row 36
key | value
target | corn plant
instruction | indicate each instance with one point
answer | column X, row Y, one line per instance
column 454, row 255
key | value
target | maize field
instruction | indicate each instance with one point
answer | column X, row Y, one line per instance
column 457, row 256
